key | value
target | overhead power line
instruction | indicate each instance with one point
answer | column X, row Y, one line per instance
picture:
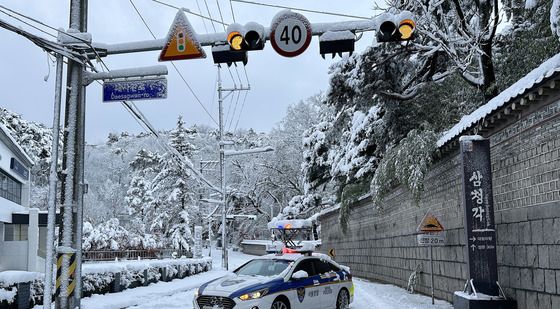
column 303, row 10
column 175, row 67
column 187, row 11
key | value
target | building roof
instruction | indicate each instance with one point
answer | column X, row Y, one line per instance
column 537, row 76
column 15, row 147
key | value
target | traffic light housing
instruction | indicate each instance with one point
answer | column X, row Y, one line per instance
column 337, row 42
column 245, row 38
column 224, row 54
column 396, row 30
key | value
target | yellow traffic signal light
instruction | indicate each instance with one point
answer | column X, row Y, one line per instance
column 235, row 40
column 406, row 29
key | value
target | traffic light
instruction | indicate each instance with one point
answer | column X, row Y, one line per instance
column 337, row 42
column 224, row 54
column 396, row 29
column 245, row 38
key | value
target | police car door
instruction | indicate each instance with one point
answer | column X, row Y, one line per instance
column 329, row 283
column 305, row 293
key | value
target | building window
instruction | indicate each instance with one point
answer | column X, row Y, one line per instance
column 15, row 232
column 10, row 188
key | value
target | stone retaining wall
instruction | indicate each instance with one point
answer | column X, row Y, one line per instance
column 381, row 244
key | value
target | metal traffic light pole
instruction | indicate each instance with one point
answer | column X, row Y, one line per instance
column 221, row 98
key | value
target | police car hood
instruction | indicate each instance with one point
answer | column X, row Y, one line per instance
column 235, row 283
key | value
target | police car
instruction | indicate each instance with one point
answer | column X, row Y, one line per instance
column 287, row 281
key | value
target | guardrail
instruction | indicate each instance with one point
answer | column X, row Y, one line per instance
column 146, row 254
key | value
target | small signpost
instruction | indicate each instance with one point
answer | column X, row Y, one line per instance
column 431, row 233
column 135, row 89
column 290, row 33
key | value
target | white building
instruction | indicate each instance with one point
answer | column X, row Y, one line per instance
column 19, row 225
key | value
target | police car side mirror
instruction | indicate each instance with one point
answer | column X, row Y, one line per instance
column 300, row 274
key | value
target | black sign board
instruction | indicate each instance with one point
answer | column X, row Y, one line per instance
column 17, row 167
column 479, row 215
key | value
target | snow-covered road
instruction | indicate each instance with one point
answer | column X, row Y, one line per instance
column 179, row 293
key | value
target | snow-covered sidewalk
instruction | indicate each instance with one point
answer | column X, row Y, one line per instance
column 179, row 293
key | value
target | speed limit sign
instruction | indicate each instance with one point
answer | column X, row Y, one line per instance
column 290, row 33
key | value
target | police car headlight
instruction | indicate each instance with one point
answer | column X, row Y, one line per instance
column 254, row 295
column 196, row 293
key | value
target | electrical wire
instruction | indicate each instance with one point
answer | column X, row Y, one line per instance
column 241, row 111
column 203, row 20
column 22, row 21
column 209, row 14
column 187, row 11
column 234, row 110
column 299, row 9
column 228, row 111
column 232, row 13
column 175, row 67
column 233, row 79
column 246, row 75
column 221, row 16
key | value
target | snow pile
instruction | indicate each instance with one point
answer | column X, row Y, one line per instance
column 114, row 267
column 12, row 277
column 98, row 277
column 8, row 295
column 545, row 70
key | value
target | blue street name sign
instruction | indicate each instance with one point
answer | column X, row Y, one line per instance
column 138, row 89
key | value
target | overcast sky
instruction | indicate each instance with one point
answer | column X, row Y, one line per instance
column 276, row 82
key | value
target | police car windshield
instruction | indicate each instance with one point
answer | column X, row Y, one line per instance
column 263, row 267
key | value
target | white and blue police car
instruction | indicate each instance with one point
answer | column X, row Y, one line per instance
column 287, row 281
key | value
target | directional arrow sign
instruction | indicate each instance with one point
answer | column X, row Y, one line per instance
column 332, row 253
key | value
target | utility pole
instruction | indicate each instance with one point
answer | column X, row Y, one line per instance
column 73, row 169
column 203, row 165
column 221, row 98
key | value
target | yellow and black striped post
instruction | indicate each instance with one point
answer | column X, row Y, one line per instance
column 71, row 273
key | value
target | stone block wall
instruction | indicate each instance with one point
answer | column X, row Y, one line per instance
column 381, row 244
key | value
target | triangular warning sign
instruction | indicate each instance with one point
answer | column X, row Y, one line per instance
column 430, row 224
column 181, row 42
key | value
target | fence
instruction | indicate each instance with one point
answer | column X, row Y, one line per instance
column 145, row 254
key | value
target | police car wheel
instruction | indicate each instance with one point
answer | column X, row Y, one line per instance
column 343, row 299
column 279, row 304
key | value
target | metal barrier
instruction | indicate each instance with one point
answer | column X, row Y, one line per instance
column 147, row 254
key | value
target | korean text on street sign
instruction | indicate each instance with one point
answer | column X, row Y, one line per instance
column 182, row 42
column 431, row 239
column 479, row 214
column 290, row 33
column 138, row 89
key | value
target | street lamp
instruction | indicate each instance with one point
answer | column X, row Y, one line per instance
column 229, row 153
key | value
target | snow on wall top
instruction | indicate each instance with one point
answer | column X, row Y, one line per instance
column 12, row 139
column 544, row 71
column 11, row 277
